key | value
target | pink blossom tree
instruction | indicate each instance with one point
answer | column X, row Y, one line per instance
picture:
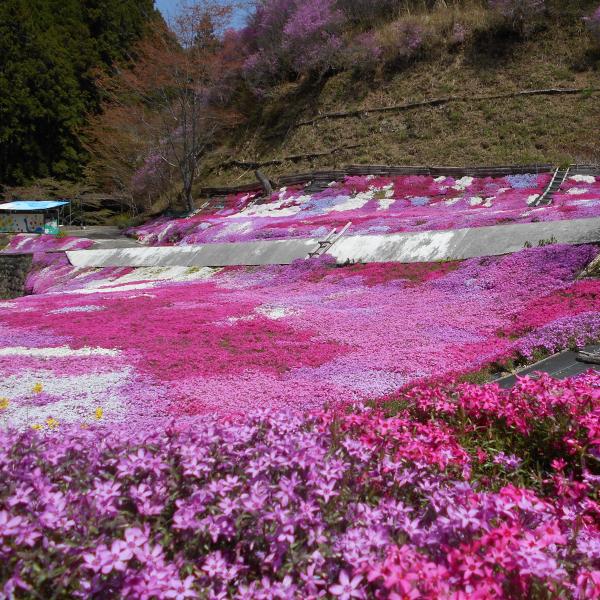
column 172, row 94
column 291, row 37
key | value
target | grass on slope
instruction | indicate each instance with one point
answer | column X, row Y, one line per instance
column 538, row 129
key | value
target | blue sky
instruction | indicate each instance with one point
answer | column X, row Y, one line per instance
column 169, row 8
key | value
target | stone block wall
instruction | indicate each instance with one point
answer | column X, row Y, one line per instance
column 13, row 271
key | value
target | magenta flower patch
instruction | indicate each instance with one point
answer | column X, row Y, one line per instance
column 467, row 492
column 299, row 337
column 379, row 205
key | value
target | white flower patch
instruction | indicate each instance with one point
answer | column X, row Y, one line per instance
column 489, row 202
column 272, row 209
column 76, row 309
column 142, row 296
column 583, row 178
column 440, row 179
column 452, row 201
column 165, row 232
column 476, row 201
column 234, row 228
column 388, row 199
column 72, row 244
column 353, row 202
column 532, row 211
column 275, row 312
column 122, row 288
column 57, row 352
column 577, row 191
column 77, row 397
column 463, row 183
column 385, row 203
column 531, row 200
column 234, row 320
column 144, row 278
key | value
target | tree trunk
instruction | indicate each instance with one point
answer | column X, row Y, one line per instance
column 188, row 199
column 187, row 168
column 266, row 184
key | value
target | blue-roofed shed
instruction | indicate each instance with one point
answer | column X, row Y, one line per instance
column 31, row 216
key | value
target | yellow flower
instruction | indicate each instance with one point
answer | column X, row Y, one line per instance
column 38, row 387
column 4, row 403
column 51, row 422
column 36, row 426
column 99, row 413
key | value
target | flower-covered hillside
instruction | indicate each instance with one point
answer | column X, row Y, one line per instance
column 379, row 205
column 282, row 337
column 579, row 195
column 467, row 492
column 40, row 244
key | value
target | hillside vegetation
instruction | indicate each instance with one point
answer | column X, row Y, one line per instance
column 203, row 104
column 488, row 59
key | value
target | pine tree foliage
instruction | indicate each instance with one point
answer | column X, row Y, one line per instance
column 50, row 53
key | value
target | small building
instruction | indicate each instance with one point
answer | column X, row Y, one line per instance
column 31, row 216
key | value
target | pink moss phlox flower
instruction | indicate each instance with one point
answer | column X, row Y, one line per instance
column 380, row 205
column 353, row 505
column 347, row 588
column 294, row 337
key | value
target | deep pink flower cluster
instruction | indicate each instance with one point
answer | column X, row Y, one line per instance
column 357, row 505
column 45, row 243
column 281, row 337
column 380, row 205
column 572, row 406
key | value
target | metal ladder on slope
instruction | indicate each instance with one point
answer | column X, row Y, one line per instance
column 326, row 243
column 554, row 186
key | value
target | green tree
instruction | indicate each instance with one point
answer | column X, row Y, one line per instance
column 50, row 53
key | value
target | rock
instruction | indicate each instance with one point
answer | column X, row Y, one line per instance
column 13, row 272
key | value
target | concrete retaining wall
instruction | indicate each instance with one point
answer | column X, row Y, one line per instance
column 425, row 246
column 277, row 252
column 460, row 244
column 13, row 271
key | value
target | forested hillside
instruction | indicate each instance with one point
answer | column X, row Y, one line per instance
column 50, row 52
column 301, row 85
column 436, row 83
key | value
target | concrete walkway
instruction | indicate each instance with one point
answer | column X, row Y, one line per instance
column 103, row 236
column 560, row 366
column 94, row 232
column 400, row 247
